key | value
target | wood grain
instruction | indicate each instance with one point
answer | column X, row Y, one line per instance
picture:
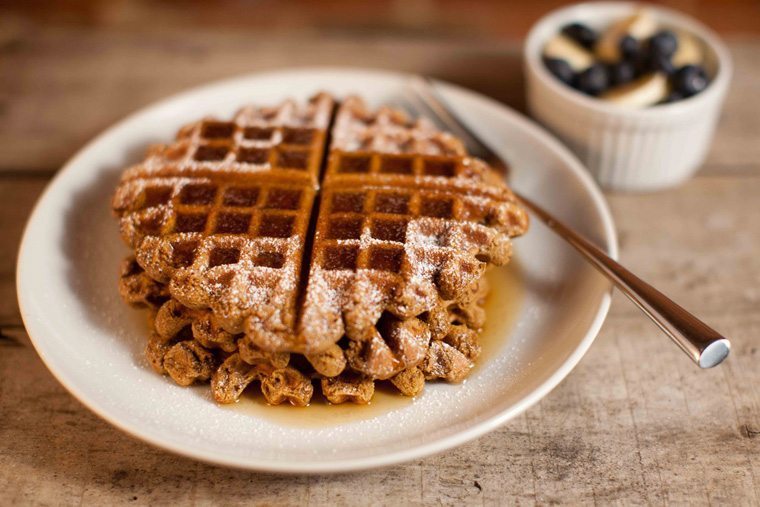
column 634, row 423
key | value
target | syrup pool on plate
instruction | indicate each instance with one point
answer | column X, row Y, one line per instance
column 502, row 307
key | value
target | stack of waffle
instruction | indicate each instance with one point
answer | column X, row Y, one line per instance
column 264, row 260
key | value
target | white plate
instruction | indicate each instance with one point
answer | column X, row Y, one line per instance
column 93, row 343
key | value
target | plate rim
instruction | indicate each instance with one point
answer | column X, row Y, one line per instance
column 349, row 464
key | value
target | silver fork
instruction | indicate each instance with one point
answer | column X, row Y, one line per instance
column 705, row 346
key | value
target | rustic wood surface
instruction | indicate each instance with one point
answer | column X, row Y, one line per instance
column 635, row 422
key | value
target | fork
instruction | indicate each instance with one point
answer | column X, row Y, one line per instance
column 705, row 346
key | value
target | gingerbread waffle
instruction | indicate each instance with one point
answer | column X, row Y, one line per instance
column 405, row 228
column 406, row 220
column 222, row 213
column 386, row 130
column 286, row 140
column 232, row 246
column 396, row 250
column 190, row 347
column 386, row 147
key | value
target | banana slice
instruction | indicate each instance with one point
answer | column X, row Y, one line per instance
column 567, row 49
column 645, row 91
column 639, row 26
column 689, row 51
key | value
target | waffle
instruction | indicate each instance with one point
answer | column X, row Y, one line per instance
column 388, row 130
column 397, row 251
column 386, row 147
column 183, row 336
column 372, row 270
column 139, row 290
column 190, row 347
column 406, row 221
column 222, row 212
column 285, row 140
column 234, row 247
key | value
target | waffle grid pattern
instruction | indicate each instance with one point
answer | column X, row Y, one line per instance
column 202, row 234
column 283, row 140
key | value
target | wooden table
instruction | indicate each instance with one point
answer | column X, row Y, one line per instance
column 634, row 422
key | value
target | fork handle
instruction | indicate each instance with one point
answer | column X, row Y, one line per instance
column 700, row 342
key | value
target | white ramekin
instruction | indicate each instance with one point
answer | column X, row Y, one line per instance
column 645, row 149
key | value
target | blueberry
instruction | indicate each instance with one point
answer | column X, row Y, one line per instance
column 661, row 63
column 581, row 34
column 629, row 47
column 690, row 80
column 622, row 73
column 673, row 96
column 593, row 80
column 663, row 43
column 561, row 70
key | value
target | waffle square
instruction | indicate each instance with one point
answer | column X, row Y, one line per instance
column 286, row 140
